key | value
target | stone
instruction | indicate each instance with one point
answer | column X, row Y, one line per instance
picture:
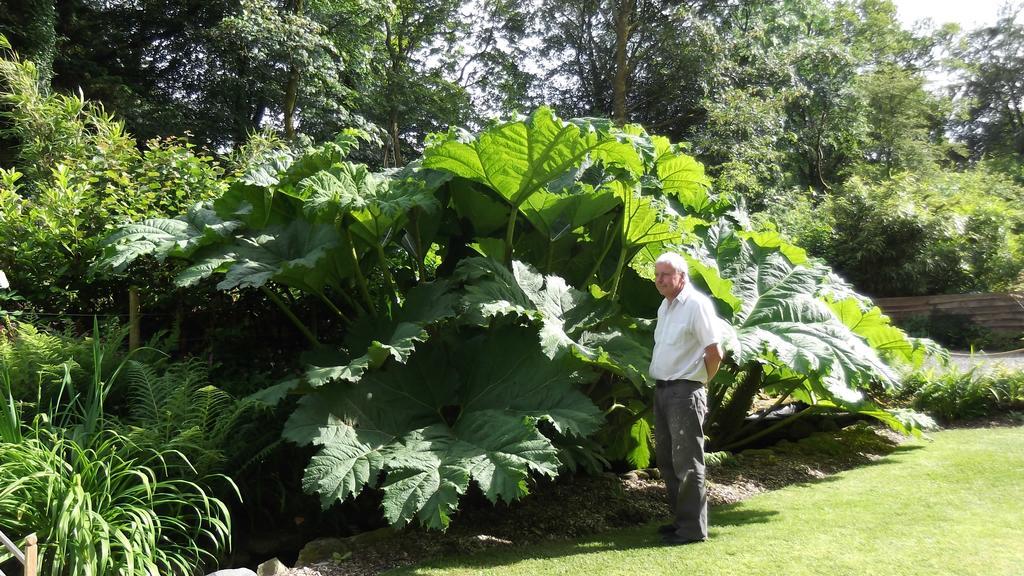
column 233, row 572
column 642, row 474
column 629, row 476
column 654, row 473
column 325, row 549
column 272, row 567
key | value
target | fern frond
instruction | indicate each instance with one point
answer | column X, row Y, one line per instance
column 34, row 358
column 147, row 396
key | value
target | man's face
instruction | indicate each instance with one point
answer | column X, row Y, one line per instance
column 669, row 282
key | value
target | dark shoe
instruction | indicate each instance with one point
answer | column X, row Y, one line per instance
column 673, row 540
column 667, row 529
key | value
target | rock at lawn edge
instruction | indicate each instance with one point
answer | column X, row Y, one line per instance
column 334, row 549
column 233, row 572
column 272, row 567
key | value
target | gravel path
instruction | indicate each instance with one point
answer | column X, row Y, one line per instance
column 965, row 360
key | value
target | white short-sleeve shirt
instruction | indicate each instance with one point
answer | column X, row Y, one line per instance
column 686, row 326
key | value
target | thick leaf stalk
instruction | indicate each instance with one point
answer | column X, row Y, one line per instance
column 729, row 419
column 364, row 289
column 290, row 315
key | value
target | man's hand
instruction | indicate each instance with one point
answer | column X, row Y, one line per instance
column 712, row 360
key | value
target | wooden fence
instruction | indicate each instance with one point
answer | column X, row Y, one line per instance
column 28, row 558
column 997, row 312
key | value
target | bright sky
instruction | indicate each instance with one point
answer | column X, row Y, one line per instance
column 969, row 14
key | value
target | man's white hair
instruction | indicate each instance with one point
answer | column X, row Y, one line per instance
column 677, row 262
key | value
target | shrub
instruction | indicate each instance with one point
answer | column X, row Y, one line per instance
column 955, row 395
column 945, row 233
column 77, row 175
column 174, row 406
column 1008, row 389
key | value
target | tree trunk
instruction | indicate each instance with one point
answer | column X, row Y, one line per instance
column 291, row 93
column 290, row 97
column 395, row 41
column 624, row 15
column 134, row 311
column 396, row 143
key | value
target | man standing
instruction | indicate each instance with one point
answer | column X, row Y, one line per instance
column 686, row 356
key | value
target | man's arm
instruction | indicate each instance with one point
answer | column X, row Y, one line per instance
column 712, row 359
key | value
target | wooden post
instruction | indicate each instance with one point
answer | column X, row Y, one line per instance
column 31, row 555
column 134, row 332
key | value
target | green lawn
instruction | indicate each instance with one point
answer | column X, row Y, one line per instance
column 952, row 506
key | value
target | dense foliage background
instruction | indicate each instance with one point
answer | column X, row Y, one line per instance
column 333, row 209
column 796, row 107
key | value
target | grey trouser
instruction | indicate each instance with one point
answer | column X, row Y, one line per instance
column 679, row 409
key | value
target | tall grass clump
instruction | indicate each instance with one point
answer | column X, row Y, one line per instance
column 104, row 495
column 107, row 506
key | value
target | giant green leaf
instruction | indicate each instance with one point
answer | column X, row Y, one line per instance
column 622, row 351
column 710, row 280
column 323, row 156
column 556, row 214
column 683, row 177
column 517, row 159
column 781, row 320
column 487, row 212
column 646, row 219
column 256, row 206
column 569, row 320
column 388, row 209
column 562, row 312
column 342, row 189
column 877, row 329
column 286, row 254
column 205, row 263
column 267, row 171
column 772, row 239
column 448, row 415
column 161, row 237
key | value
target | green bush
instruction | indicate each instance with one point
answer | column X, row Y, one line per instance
column 175, row 407
column 34, row 359
column 950, row 232
column 1008, row 389
column 955, row 395
column 78, row 175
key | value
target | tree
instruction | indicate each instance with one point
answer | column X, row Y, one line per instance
column 993, row 61
column 905, row 123
column 29, row 26
column 294, row 62
column 408, row 91
column 598, row 52
column 216, row 70
column 152, row 63
column 491, row 56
